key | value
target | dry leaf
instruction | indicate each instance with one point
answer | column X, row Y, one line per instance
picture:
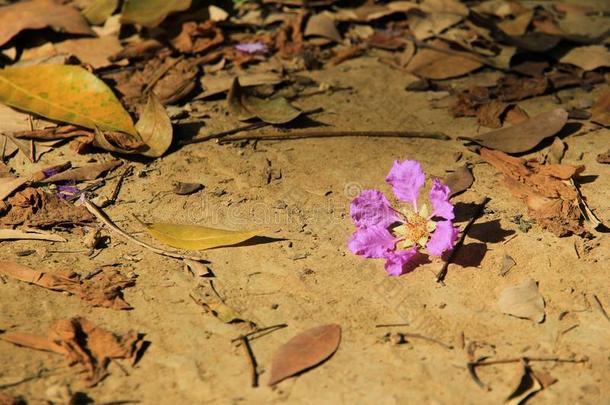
column 518, row 25
column 507, row 264
column 196, row 38
column 433, row 64
column 151, row 13
column 155, row 128
column 588, row 57
column 525, row 136
column 98, row 11
column 37, row 14
column 523, row 301
column 64, row 93
column 459, row 181
column 244, row 106
column 104, row 289
column 92, row 51
column 424, row 27
column 17, row 234
column 205, row 295
column 600, row 112
column 556, row 151
column 322, row 25
column 181, row 188
column 89, row 172
column 304, row 351
column 82, row 343
column 8, row 185
column 195, row 237
column 526, row 385
column 222, row 81
column 551, row 200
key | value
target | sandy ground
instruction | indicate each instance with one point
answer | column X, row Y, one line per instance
column 299, row 192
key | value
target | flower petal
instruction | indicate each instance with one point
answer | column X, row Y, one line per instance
column 442, row 239
column 406, row 178
column 372, row 242
column 439, row 198
column 371, row 208
column 395, row 261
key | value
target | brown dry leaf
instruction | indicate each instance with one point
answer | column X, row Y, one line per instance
column 459, row 181
column 222, row 81
column 588, row 57
column 17, row 234
column 523, row 301
column 8, row 185
column 39, row 209
column 289, row 39
column 434, row 64
column 556, row 151
column 322, row 25
column 104, row 289
column 139, row 49
column 525, row 136
column 89, row 172
column 205, row 295
column 490, row 114
column 84, row 344
column 245, row 106
column 424, row 27
column 370, row 12
column 196, row 38
column 600, row 112
column 92, row 51
column 526, row 385
column 518, row 25
column 603, row 157
column 98, row 11
column 551, row 199
column 155, row 128
column 151, row 13
column 37, row 14
column 304, row 351
column 507, row 264
column 516, row 115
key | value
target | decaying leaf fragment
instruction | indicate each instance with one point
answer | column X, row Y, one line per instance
column 552, row 200
column 88, row 172
column 459, row 180
column 205, row 295
column 525, row 385
column 82, row 343
column 245, row 106
column 304, row 351
column 155, row 128
column 151, row 13
column 443, row 63
column 17, row 234
column 104, row 289
column 523, row 301
column 600, row 112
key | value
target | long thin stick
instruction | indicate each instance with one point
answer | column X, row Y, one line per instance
column 99, row 214
column 251, row 360
column 333, row 134
column 429, row 339
column 440, row 276
column 527, row 359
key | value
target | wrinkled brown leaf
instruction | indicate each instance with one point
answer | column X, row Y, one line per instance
column 89, row 172
column 600, row 112
column 82, row 343
column 322, row 25
column 37, row 14
column 273, row 111
column 104, row 289
column 304, row 351
column 588, row 57
column 434, row 64
column 523, row 301
column 525, row 136
column 459, row 181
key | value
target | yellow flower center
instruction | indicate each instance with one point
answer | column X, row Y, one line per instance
column 415, row 230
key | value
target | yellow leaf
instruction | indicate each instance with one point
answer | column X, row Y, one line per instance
column 151, row 13
column 64, row 93
column 195, row 237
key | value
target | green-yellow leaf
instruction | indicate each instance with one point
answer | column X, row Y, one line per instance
column 64, row 93
column 195, row 237
column 151, row 13
column 99, row 10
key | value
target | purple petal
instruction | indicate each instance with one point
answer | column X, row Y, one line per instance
column 372, row 242
column 371, row 208
column 442, row 239
column 406, row 178
column 439, row 198
column 254, row 47
column 395, row 261
column 50, row 172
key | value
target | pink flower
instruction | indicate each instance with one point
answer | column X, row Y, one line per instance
column 383, row 232
column 253, row 47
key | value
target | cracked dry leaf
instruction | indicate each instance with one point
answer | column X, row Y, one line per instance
column 523, row 301
column 104, row 289
column 304, row 351
column 82, row 343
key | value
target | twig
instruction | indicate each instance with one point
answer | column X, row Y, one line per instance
column 117, row 188
column 429, row 339
column 440, row 276
column 391, row 325
column 251, row 360
column 527, row 359
column 267, row 330
column 160, row 73
column 249, row 127
column 99, row 214
column 601, row 307
column 333, row 134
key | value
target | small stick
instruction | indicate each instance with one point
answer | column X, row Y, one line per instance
column 117, row 188
column 267, row 329
column 391, row 325
column 251, row 360
column 527, row 359
column 99, row 214
column 440, row 276
column 332, row 134
column 429, row 339
column 601, row 307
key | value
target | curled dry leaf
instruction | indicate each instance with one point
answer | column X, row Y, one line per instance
column 322, row 25
column 37, row 14
column 104, row 289
column 304, row 351
column 195, row 237
column 64, row 93
column 151, row 13
column 459, row 181
column 523, row 301
column 588, row 57
column 525, row 385
column 443, row 63
column 525, row 136
column 89, row 172
column 245, row 106
column 82, row 343
column 155, row 128
column 17, row 234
